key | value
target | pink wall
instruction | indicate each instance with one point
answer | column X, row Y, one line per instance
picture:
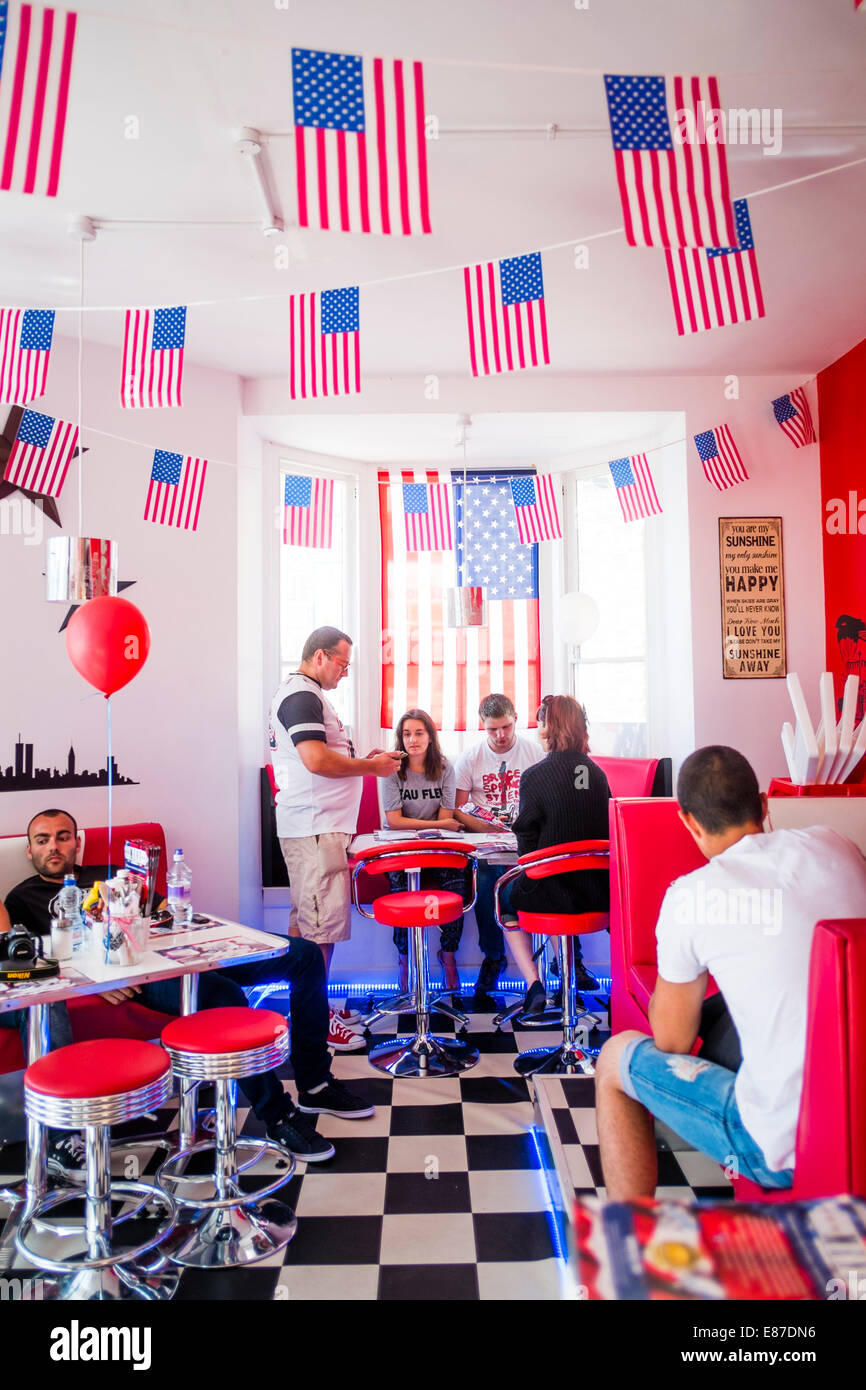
column 175, row 726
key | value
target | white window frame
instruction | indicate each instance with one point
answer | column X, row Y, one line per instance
column 281, row 460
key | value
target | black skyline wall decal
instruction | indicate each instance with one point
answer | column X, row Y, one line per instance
column 24, row 777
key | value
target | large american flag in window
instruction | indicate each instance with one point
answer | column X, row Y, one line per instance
column 447, row 671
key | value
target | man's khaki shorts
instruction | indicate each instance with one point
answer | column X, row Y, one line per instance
column 319, row 878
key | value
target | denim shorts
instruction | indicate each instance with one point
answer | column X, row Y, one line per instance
column 695, row 1098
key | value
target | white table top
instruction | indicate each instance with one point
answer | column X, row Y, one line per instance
column 496, row 847
column 200, row 948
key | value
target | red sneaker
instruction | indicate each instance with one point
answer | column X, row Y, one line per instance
column 341, row 1038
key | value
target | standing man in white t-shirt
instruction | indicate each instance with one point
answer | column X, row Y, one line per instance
column 488, row 776
column 747, row 917
column 318, row 789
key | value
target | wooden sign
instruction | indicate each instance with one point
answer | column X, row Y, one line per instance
column 753, row 597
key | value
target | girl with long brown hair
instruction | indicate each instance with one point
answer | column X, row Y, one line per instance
column 418, row 795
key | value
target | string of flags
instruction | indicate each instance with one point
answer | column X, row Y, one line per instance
column 175, row 491
column 360, row 147
column 153, row 343
column 45, row 446
column 794, row 417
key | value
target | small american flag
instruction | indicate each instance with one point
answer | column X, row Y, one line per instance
column 674, row 190
column 505, row 314
column 308, row 511
column 325, row 344
column 42, row 452
column 536, row 508
column 718, row 285
column 720, row 457
column 153, row 357
column 360, row 144
column 25, row 347
column 36, row 48
column 427, row 511
column 635, row 489
column 174, row 493
column 795, row 418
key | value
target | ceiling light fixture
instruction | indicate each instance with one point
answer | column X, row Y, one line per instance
column 251, row 144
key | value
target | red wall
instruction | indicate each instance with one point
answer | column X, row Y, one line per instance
column 842, row 431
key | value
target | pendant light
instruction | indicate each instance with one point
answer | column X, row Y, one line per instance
column 465, row 604
column 80, row 567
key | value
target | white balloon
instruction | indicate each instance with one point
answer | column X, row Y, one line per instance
column 578, row 617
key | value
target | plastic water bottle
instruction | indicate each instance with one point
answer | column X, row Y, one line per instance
column 67, row 929
column 179, row 882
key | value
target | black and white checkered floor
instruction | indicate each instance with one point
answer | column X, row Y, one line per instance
column 452, row 1190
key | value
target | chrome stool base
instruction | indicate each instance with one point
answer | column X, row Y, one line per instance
column 118, row 1285
column 231, row 1237
column 555, row 1061
column 417, row 1056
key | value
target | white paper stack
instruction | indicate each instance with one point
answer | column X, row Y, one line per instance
column 830, row 753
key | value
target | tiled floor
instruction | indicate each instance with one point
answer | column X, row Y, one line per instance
column 442, row 1193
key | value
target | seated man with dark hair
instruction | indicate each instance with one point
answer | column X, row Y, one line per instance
column 747, row 917
column 52, row 845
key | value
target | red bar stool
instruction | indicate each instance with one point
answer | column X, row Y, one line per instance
column 232, row 1228
column 421, row 1054
column 573, row 857
column 91, row 1086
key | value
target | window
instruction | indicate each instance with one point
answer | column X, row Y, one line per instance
column 610, row 669
column 315, row 591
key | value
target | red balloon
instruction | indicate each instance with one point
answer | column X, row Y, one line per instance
column 107, row 641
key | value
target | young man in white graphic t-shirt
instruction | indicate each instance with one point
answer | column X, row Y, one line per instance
column 747, row 917
column 488, row 776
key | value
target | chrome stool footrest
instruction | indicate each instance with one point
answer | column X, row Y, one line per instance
column 112, row 1259
column 164, row 1176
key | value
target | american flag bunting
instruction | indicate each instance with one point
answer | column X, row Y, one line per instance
column 536, row 508
column 793, row 415
column 36, row 48
column 324, row 344
column 40, row 457
column 25, row 347
column 505, row 314
column 308, row 511
column 446, row 670
column 153, row 344
column 720, row 458
column 175, row 490
column 634, row 486
column 717, row 285
column 674, row 190
column 360, row 143
column 427, row 512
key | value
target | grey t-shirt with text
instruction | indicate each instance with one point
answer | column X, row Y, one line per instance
column 418, row 798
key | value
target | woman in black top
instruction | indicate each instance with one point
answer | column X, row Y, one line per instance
column 562, row 798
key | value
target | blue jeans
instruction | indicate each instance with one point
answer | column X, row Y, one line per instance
column 696, row 1099
column 303, row 969
column 451, row 881
column 490, row 937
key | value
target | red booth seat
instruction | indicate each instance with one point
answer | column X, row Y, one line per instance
column 649, row 848
column 91, row 1016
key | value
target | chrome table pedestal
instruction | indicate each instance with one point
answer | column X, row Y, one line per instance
column 421, row 1054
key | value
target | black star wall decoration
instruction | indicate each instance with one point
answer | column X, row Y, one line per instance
column 7, row 439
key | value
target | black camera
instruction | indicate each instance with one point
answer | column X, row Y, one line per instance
column 22, row 956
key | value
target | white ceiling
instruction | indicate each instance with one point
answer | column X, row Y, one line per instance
column 555, row 441
column 194, row 72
